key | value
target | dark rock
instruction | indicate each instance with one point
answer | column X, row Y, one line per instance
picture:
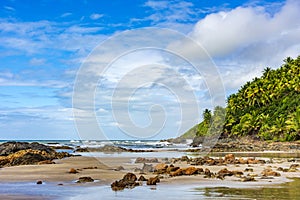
column 128, row 181
column 190, row 171
column 247, row 178
column 130, row 177
column 171, row 169
column 248, row 170
column 142, row 178
column 85, row 179
column 225, row 172
column 269, row 172
column 153, row 181
column 229, row 158
column 39, row 182
column 23, row 153
column 73, row 171
column 160, row 168
column 178, row 172
column 8, row 148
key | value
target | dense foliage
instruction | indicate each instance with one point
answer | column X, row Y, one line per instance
column 267, row 107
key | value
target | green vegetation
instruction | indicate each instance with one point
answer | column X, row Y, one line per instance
column 267, row 107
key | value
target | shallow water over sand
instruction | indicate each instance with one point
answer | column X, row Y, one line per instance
column 164, row 191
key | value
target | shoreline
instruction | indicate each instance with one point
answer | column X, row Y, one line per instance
column 104, row 170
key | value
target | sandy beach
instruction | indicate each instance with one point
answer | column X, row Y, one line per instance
column 106, row 173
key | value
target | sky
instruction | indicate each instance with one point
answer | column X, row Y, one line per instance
column 142, row 69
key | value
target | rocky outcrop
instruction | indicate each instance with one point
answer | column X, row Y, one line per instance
column 153, row 181
column 128, row 181
column 228, row 159
column 85, row 179
column 142, row 178
column 8, row 148
column 23, row 153
column 73, row 171
column 247, row 144
column 269, row 172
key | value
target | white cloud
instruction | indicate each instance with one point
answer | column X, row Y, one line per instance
column 67, row 14
column 244, row 40
column 96, row 16
column 9, row 8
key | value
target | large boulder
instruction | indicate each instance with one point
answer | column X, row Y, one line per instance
column 24, row 157
column 153, row 180
column 85, row 179
column 13, row 154
column 229, row 158
column 128, row 181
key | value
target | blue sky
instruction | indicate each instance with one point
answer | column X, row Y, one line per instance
column 43, row 45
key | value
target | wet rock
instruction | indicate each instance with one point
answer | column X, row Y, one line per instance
column 208, row 174
column 190, row 171
column 248, row 170
column 8, row 148
column 269, row 172
column 153, row 181
column 294, row 166
column 243, row 161
column 237, row 173
column 225, row 172
column 85, row 179
column 160, row 168
column 73, row 171
column 39, row 182
column 229, row 158
column 280, row 169
column 142, row 178
column 171, row 169
column 130, row 177
column 252, row 161
column 24, row 157
column 178, row 172
column 23, row 153
column 247, row 178
column 128, row 181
